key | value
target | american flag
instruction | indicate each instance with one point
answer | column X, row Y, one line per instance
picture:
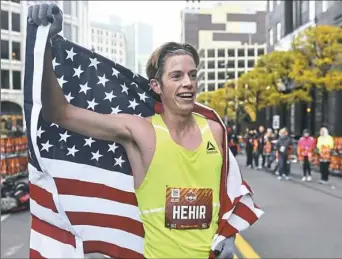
column 82, row 194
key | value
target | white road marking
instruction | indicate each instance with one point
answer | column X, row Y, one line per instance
column 3, row 217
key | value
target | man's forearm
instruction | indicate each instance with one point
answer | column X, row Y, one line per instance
column 53, row 99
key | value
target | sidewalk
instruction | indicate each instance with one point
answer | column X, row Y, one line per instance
column 334, row 188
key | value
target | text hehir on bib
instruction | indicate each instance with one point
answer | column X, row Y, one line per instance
column 188, row 208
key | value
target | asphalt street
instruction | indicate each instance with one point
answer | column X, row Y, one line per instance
column 301, row 220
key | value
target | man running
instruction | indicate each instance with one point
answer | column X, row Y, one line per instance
column 176, row 156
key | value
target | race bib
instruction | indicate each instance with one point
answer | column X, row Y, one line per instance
column 188, row 208
column 282, row 149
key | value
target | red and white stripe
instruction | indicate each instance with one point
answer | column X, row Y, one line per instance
column 74, row 211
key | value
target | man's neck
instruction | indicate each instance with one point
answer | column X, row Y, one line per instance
column 178, row 124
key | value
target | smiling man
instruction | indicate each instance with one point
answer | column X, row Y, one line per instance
column 176, row 164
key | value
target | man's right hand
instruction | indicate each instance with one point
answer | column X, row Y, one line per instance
column 45, row 13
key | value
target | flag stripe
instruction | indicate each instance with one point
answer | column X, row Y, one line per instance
column 34, row 254
column 110, row 250
column 86, row 189
column 107, row 221
column 47, row 229
column 42, row 197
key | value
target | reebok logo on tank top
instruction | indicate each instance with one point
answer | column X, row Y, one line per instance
column 211, row 148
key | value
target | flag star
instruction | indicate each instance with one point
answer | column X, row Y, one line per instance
column 124, row 88
column 91, row 104
column 93, row 62
column 54, row 124
column 61, row 81
column 115, row 110
column 115, row 72
column 69, row 97
column 84, row 88
column 135, row 84
column 64, row 136
column 72, row 151
column 40, row 132
column 140, row 115
column 89, row 141
column 112, row 147
column 96, row 155
column 119, row 161
column 78, row 72
column 142, row 96
column 109, row 96
column 102, row 80
column 135, row 75
column 133, row 104
column 54, row 63
column 71, row 54
column 46, row 146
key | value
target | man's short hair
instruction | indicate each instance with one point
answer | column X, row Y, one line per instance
column 156, row 62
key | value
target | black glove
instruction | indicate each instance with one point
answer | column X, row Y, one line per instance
column 45, row 13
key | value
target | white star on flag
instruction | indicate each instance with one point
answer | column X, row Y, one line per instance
column 72, row 151
column 112, row 147
column 89, row 141
column 40, row 132
column 78, row 72
column 132, row 104
column 142, row 96
column 135, row 84
column 61, row 81
column 71, row 54
column 135, row 75
column 102, row 80
column 54, row 63
column 115, row 72
column 64, row 136
column 91, row 104
column 96, row 155
column 93, row 62
column 109, row 96
column 124, row 88
column 54, row 124
column 69, row 97
column 84, row 88
column 119, row 161
column 115, row 110
column 46, row 146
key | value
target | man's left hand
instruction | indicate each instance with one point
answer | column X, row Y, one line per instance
column 225, row 249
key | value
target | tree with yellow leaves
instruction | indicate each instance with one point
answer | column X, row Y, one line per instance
column 318, row 65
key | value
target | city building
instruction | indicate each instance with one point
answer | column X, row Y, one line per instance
column 139, row 46
column 109, row 41
column 285, row 19
column 229, row 38
column 13, row 38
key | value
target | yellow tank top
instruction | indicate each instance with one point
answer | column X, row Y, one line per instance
column 174, row 166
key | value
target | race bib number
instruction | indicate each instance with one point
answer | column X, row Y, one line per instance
column 282, row 149
column 188, row 208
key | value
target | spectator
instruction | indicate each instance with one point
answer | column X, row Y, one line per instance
column 325, row 144
column 283, row 147
column 306, row 146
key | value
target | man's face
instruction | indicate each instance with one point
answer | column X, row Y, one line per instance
column 261, row 129
column 179, row 84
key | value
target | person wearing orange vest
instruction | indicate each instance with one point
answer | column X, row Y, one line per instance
column 306, row 146
column 325, row 144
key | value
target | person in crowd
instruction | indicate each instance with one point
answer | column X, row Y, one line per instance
column 268, row 147
column 233, row 141
column 325, row 144
column 283, row 149
column 306, row 146
column 260, row 148
column 249, row 148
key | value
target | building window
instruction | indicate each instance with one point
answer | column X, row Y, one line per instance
column 241, row 64
column 4, row 20
column 278, row 31
column 16, row 22
column 211, row 53
column 4, row 49
column 4, row 79
column 250, row 63
column 67, row 31
column 220, row 53
column 270, row 37
column 211, row 87
column 261, row 52
column 67, row 7
column 16, row 80
column 16, row 51
column 221, row 76
column 270, row 5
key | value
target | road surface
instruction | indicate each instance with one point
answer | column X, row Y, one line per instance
column 301, row 220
